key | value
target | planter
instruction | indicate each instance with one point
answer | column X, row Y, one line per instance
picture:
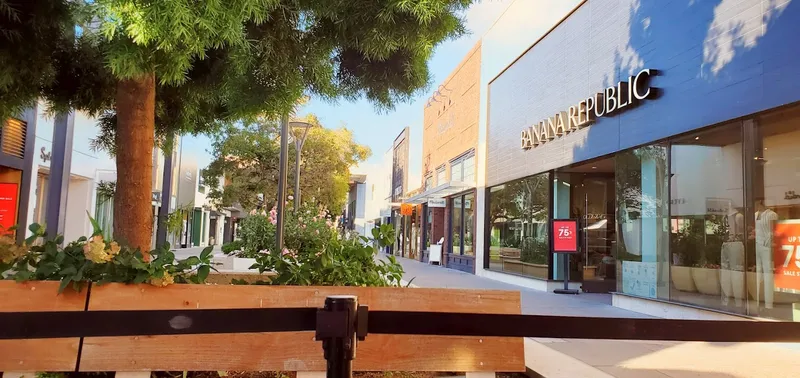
column 682, row 280
column 528, row 269
column 706, row 280
column 280, row 351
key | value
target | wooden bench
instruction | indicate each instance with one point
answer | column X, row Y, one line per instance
column 289, row 351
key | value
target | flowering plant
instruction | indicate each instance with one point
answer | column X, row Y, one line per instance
column 95, row 260
column 308, row 228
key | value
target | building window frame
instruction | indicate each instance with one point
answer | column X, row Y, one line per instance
column 458, row 164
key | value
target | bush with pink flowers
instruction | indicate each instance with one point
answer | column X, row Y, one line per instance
column 309, row 230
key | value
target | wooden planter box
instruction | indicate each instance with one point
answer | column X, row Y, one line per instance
column 514, row 265
column 285, row 351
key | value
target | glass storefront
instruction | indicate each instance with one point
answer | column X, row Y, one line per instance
column 710, row 218
column 518, row 232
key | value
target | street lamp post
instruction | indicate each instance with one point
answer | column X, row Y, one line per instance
column 299, row 140
column 281, row 208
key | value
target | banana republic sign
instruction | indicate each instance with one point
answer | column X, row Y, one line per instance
column 615, row 99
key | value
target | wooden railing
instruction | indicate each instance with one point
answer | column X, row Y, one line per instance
column 140, row 328
column 286, row 351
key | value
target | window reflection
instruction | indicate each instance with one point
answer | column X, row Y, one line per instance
column 707, row 219
column 518, row 218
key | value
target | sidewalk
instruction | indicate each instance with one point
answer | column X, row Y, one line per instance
column 573, row 358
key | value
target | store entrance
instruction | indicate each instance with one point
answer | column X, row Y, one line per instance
column 586, row 193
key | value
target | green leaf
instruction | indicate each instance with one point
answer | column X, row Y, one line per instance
column 141, row 277
column 68, row 271
column 206, row 252
column 35, row 228
column 202, row 272
column 191, row 261
column 59, row 239
column 97, row 230
column 64, row 282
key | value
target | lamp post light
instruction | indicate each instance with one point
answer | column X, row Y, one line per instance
column 299, row 134
column 281, row 208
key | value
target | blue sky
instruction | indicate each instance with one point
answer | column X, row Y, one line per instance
column 378, row 130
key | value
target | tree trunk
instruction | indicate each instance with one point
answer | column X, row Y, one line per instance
column 135, row 134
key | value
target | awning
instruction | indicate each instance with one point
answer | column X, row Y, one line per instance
column 441, row 191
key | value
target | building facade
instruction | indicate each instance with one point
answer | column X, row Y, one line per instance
column 670, row 132
column 446, row 202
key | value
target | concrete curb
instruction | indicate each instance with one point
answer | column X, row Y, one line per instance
column 550, row 363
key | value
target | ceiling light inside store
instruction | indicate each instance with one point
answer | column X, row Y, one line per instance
column 696, row 138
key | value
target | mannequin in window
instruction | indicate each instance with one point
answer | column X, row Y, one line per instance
column 732, row 257
column 764, row 228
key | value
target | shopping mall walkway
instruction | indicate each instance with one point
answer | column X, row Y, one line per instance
column 555, row 358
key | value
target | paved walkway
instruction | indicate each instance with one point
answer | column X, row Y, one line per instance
column 555, row 358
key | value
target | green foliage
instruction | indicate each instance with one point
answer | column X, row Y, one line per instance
column 96, row 260
column 106, row 189
column 534, row 251
column 32, row 32
column 309, row 229
column 174, row 222
column 247, row 156
column 231, row 247
column 218, row 60
column 343, row 262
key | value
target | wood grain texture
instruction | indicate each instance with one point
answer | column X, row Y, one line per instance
column 39, row 355
column 298, row 351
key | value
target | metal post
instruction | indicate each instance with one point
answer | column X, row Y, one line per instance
column 338, row 344
column 60, row 167
column 298, row 146
column 166, row 199
column 282, row 181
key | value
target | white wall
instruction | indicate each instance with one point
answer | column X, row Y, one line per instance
column 87, row 168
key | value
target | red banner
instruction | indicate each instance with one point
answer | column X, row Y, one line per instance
column 8, row 205
column 565, row 236
column 786, row 250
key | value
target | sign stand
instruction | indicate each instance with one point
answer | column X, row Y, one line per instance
column 565, row 242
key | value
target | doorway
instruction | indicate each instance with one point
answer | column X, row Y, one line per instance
column 586, row 192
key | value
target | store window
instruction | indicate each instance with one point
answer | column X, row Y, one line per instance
column 457, row 219
column 462, row 209
column 518, row 218
column 707, row 219
column 772, row 265
column 642, row 238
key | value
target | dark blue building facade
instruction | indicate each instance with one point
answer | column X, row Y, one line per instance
column 687, row 195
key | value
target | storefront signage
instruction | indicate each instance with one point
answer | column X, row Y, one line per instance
column 565, row 236
column 614, row 99
column 8, row 206
column 437, row 202
column 786, row 252
column 406, row 209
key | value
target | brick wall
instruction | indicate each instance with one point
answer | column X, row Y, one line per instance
column 451, row 121
column 718, row 60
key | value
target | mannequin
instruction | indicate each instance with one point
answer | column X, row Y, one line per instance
column 765, row 221
column 732, row 257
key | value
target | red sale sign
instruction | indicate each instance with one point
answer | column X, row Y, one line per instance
column 565, row 236
column 786, row 253
column 8, row 205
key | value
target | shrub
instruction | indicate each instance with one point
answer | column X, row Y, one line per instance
column 95, row 260
column 343, row 262
column 309, row 229
column 231, row 247
column 534, row 251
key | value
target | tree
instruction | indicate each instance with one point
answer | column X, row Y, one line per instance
column 246, row 155
column 154, row 68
